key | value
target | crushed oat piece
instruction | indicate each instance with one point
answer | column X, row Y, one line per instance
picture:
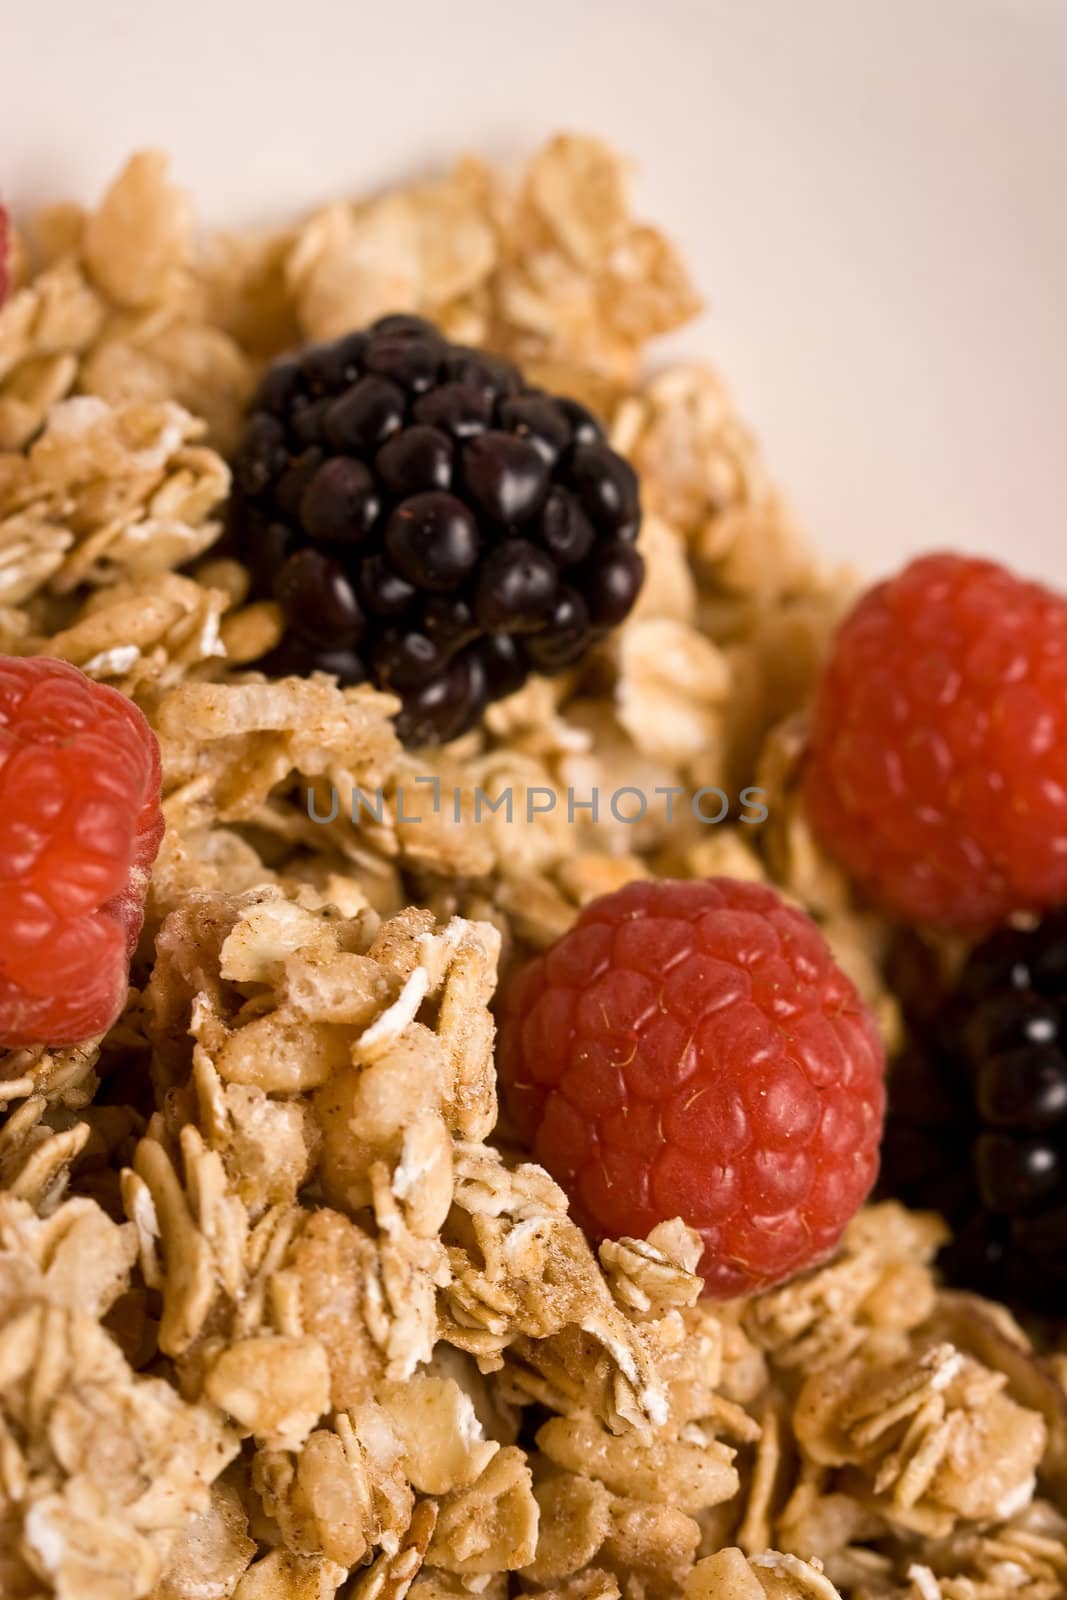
column 833, row 1522
column 401, row 1309
column 491, row 1526
column 119, row 1463
column 527, row 1282
column 651, row 1276
column 208, row 1557
column 144, row 632
column 77, row 1257
column 729, row 1575
column 1027, row 1558
column 656, row 1543
column 754, row 1530
column 422, row 248
column 106, row 492
column 321, row 1497
column 140, row 235
column 573, row 1523
column 161, row 356
column 934, row 1434
column 441, row 1438
column 202, row 1231
column 275, row 1388
column 227, row 746
column 332, row 1261
column 583, row 284
column 669, row 591
column 392, row 1574
column 281, row 1576
column 786, row 1577
column 990, row 1334
column 268, row 1146
column 673, row 685
column 44, row 329
column 826, row 1316
column 690, row 1477
column 592, row 1583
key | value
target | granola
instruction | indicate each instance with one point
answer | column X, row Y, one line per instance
column 283, row 1316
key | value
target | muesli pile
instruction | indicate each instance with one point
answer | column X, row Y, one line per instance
column 286, row 1312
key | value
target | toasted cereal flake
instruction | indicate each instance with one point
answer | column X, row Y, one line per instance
column 212, row 1551
column 730, row 1576
column 684, row 1475
column 281, row 1576
column 35, row 1159
column 121, row 1465
column 577, row 187
column 656, row 1542
column 145, row 630
column 321, row 1498
column 786, row 1576
column 57, row 230
column 649, row 1276
column 275, row 1388
column 29, row 394
column 528, row 1282
column 456, row 245
column 441, row 1438
column 351, row 265
column 252, row 631
column 573, row 1523
column 77, row 1257
column 825, row 1316
column 172, row 359
column 673, row 684
column 392, row 1574
column 934, row 1432
column 201, row 1227
column 725, row 1576
column 58, row 313
column 112, row 492
column 583, row 283
column 669, row 590
column 240, row 287
column 268, row 1147
column 401, row 1294
column 140, row 236
column 490, row 1526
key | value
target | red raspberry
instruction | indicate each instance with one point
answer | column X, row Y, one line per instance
column 692, row 1049
column 937, row 767
column 80, row 826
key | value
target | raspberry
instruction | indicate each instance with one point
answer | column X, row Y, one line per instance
column 977, row 1125
column 692, row 1049
column 428, row 522
column 80, row 826
column 937, row 766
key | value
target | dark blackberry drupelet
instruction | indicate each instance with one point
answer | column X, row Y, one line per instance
column 977, row 1125
column 429, row 522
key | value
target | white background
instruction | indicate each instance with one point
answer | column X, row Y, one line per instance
column 872, row 195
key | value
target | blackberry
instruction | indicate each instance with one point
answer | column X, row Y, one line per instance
column 429, row 522
column 977, row 1125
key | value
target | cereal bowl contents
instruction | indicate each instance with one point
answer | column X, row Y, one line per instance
column 288, row 1309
